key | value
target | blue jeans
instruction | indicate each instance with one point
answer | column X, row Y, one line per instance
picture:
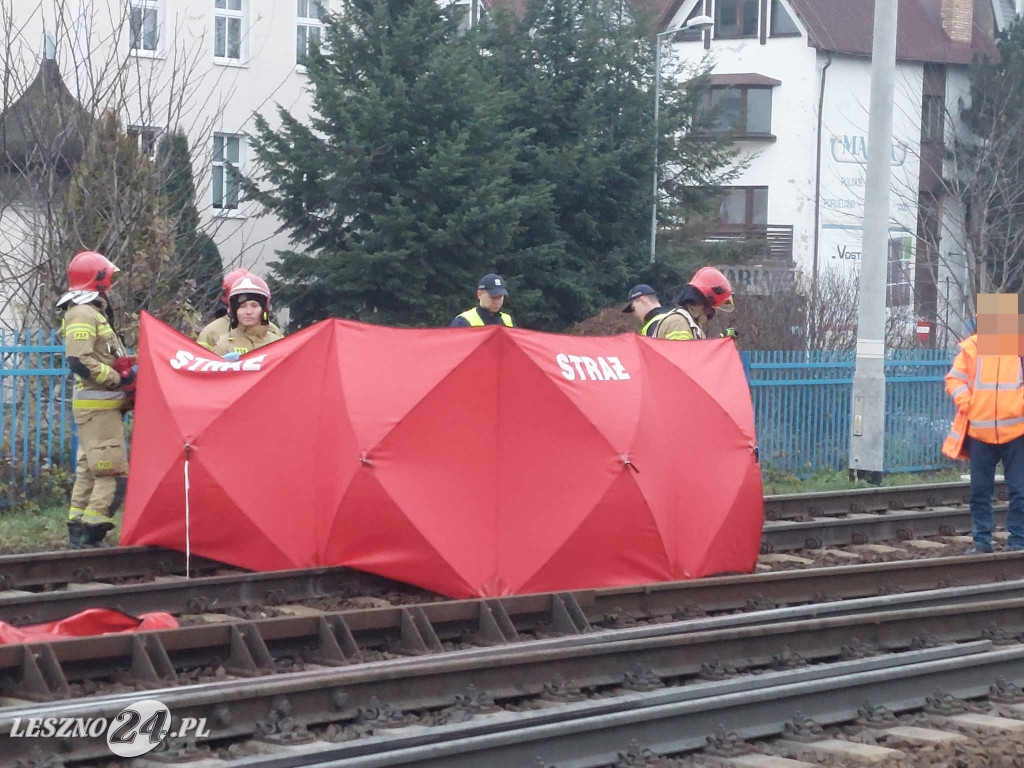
column 984, row 457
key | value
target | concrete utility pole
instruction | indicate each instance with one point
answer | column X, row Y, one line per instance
column 867, row 435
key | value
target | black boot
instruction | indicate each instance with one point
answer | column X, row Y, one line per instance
column 119, row 493
column 94, row 534
column 76, row 534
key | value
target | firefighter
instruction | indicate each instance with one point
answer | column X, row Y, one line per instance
column 657, row 322
column 221, row 324
column 707, row 292
column 986, row 383
column 104, row 377
column 249, row 317
column 490, row 295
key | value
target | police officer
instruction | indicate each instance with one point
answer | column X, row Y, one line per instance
column 249, row 317
column 490, row 295
column 95, row 355
column 658, row 322
column 221, row 324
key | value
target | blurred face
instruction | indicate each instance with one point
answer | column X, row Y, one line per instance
column 249, row 313
column 1000, row 326
column 488, row 302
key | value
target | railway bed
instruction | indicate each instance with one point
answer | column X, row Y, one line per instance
column 251, row 647
column 566, row 703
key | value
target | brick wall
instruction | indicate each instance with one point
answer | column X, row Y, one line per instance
column 958, row 19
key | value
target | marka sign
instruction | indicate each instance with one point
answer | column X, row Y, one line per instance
column 760, row 280
column 853, row 148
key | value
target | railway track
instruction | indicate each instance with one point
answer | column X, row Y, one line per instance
column 281, row 637
column 371, row 714
column 311, row 638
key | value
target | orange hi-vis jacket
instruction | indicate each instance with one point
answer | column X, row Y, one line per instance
column 989, row 394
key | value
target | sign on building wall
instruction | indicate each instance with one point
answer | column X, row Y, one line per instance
column 760, row 280
column 844, row 154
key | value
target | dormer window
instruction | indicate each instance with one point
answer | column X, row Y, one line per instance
column 736, row 18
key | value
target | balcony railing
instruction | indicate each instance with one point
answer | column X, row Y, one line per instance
column 777, row 238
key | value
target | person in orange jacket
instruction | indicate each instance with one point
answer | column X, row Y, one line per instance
column 987, row 384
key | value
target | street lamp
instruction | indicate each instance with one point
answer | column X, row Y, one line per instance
column 698, row 23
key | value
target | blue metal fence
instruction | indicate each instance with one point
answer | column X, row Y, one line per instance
column 802, row 408
column 36, row 429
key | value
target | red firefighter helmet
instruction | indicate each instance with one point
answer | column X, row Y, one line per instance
column 90, row 271
column 230, row 279
column 715, row 288
column 245, row 288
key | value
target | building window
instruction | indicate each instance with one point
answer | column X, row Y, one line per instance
column 898, row 289
column 227, row 161
column 145, row 25
column 933, row 112
column 746, row 110
column 146, row 139
column 693, row 34
column 736, row 18
column 744, row 207
column 227, row 29
column 308, row 26
column 782, row 23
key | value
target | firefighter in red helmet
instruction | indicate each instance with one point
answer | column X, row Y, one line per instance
column 707, row 292
column 221, row 324
column 249, row 317
column 104, row 379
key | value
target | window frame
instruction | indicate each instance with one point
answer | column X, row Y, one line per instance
column 740, row 5
column 156, row 6
column 138, row 132
column 744, row 133
column 926, row 134
column 226, row 164
column 771, row 18
column 227, row 14
column 308, row 22
column 748, row 208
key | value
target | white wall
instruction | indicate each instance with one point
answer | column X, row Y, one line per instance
column 216, row 98
column 844, row 159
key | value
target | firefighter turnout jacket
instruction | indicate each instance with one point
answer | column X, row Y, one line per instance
column 242, row 340
column 675, row 324
column 219, row 328
column 989, row 394
column 90, row 348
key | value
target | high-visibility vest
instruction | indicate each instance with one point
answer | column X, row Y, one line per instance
column 650, row 328
column 994, row 388
column 472, row 317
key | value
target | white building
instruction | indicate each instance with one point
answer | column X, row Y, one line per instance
column 205, row 66
column 793, row 78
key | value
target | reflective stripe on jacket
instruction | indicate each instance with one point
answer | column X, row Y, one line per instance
column 472, row 317
column 989, row 394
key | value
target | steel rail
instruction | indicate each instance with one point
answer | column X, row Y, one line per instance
column 223, row 593
column 254, row 647
column 578, row 737
column 373, row 693
column 862, row 529
column 830, row 503
column 35, row 570
column 40, row 569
